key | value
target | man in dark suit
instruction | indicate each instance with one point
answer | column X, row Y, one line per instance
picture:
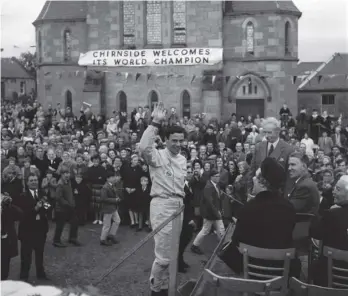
column 274, row 146
column 300, row 189
column 33, row 228
column 332, row 229
column 188, row 224
column 210, row 209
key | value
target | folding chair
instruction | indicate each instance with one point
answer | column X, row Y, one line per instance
column 299, row 288
column 262, row 271
column 337, row 265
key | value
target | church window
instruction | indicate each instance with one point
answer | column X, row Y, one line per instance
column 122, row 99
column 287, row 38
column 39, row 47
column 179, row 22
column 67, row 45
column 186, row 104
column 153, row 99
column 255, row 89
column 154, row 22
column 128, row 23
column 244, row 89
column 250, row 38
column 68, row 99
column 250, row 87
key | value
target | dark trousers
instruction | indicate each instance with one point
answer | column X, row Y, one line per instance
column 5, row 261
column 81, row 213
column 185, row 238
column 63, row 217
column 36, row 244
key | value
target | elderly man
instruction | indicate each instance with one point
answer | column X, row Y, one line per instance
column 167, row 170
column 300, row 189
column 273, row 146
column 332, row 229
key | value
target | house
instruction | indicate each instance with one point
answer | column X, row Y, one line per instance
column 15, row 80
column 326, row 86
column 260, row 52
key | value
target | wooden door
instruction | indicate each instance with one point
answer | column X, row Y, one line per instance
column 251, row 107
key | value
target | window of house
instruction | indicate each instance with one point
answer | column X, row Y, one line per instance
column 153, row 99
column 22, row 87
column 328, row 99
column 179, row 22
column 128, row 23
column 287, row 38
column 154, row 22
column 186, row 104
column 39, row 47
column 122, row 99
column 67, row 45
column 250, row 37
column 68, row 99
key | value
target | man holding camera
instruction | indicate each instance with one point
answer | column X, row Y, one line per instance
column 33, row 228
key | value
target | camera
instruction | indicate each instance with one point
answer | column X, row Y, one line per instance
column 46, row 205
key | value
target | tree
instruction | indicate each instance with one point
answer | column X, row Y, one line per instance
column 28, row 61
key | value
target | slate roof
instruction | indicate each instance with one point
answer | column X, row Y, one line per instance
column 62, row 10
column 11, row 68
column 305, row 68
column 240, row 7
column 331, row 75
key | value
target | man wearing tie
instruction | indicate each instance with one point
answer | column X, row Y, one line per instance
column 210, row 211
column 273, row 146
column 33, row 228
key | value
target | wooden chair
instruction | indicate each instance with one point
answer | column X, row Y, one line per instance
column 299, row 288
column 220, row 285
column 337, row 275
column 260, row 272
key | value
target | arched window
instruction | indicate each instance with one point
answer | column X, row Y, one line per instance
column 186, row 104
column 154, row 22
column 67, row 45
column 250, row 38
column 287, row 38
column 122, row 101
column 153, row 99
column 250, row 86
column 68, row 99
column 39, row 47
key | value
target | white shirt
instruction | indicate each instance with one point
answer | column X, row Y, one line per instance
column 215, row 186
column 274, row 145
column 33, row 193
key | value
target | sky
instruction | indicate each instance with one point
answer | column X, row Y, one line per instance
column 323, row 27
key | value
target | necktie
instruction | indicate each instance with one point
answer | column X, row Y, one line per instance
column 35, row 195
column 270, row 150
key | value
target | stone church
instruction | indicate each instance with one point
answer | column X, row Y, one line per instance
column 260, row 52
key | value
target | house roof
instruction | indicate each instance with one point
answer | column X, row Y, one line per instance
column 305, row 68
column 11, row 68
column 331, row 75
column 62, row 10
column 240, row 7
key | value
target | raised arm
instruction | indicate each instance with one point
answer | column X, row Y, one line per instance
column 147, row 142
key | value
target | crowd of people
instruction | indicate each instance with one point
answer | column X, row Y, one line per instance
column 91, row 169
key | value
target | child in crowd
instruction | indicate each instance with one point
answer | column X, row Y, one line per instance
column 143, row 197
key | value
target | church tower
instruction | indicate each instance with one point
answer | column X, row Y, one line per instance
column 260, row 40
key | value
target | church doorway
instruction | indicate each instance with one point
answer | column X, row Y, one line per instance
column 68, row 99
column 245, row 107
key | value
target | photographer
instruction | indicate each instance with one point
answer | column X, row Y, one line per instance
column 9, row 248
column 33, row 227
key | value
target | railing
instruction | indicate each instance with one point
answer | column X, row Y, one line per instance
column 173, row 266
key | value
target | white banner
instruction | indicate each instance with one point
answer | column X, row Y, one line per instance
column 152, row 57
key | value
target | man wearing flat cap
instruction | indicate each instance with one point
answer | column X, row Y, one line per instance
column 266, row 221
column 210, row 209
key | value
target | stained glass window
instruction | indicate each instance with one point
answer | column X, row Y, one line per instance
column 128, row 23
column 179, row 22
column 250, row 38
column 67, row 45
column 154, row 22
column 287, row 38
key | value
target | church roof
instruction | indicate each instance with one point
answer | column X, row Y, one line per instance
column 330, row 75
column 62, row 10
column 11, row 68
column 245, row 7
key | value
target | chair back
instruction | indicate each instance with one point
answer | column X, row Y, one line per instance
column 337, row 267
column 222, row 285
column 265, row 270
column 299, row 288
